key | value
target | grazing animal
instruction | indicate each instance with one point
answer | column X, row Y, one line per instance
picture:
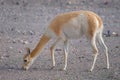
column 66, row 26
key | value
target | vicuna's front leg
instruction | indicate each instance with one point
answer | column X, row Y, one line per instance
column 52, row 52
column 65, row 54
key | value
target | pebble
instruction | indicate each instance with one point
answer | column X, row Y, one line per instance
column 2, row 32
column 2, row 3
column 4, row 56
column 13, row 41
column 18, row 31
column 7, row 56
column 117, row 47
column 25, row 42
column 17, row 3
column 22, row 41
column 58, row 49
column 109, row 33
column 10, row 69
column 11, row 47
column 68, row 3
column 81, row 57
column 106, row 3
column 27, row 32
column 20, row 51
column 24, row 32
column 12, row 29
column 114, row 34
column 31, row 32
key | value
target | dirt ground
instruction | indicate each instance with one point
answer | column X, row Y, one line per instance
column 22, row 23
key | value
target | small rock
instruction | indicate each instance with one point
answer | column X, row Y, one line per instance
column 107, row 34
column 58, row 49
column 24, row 32
column 114, row 34
column 9, row 69
column 20, row 51
column 25, row 42
column 11, row 47
column 6, row 56
column 18, row 31
column 31, row 33
column 12, row 29
column 117, row 47
column 13, row 41
column 81, row 57
column 68, row 3
column 111, row 50
column 21, row 41
column 15, row 18
column 17, row 3
column 106, row 3
column 18, row 40
column 2, row 3
column 2, row 32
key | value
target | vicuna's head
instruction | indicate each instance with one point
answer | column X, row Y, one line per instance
column 27, row 60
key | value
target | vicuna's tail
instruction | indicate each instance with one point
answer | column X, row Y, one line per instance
column 43, row 41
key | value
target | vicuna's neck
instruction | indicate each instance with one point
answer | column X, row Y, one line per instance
column 44, row 39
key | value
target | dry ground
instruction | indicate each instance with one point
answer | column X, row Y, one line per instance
column 22, row 23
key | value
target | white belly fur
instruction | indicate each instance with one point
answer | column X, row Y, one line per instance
column 76, row 27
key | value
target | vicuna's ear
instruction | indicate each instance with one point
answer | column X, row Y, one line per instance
column 28, row 50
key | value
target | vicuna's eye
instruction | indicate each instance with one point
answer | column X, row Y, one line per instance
column 25, row 60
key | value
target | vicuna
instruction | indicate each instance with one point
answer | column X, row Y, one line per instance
column 66, row 26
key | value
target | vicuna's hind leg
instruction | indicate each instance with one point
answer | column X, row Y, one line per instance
column 52, row 52
column 95, row 50
column 101, row 42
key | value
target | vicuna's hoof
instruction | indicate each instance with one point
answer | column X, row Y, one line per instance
column 25, row 68
column 52, row 67
column 63, row 69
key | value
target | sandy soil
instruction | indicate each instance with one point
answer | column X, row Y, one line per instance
column 22, row 23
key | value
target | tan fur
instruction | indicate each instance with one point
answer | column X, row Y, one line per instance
column 29, row 57
column 40, row 45
column 92, row 22
column 58, row 22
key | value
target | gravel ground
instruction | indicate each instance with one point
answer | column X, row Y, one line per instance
column 22, row 23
